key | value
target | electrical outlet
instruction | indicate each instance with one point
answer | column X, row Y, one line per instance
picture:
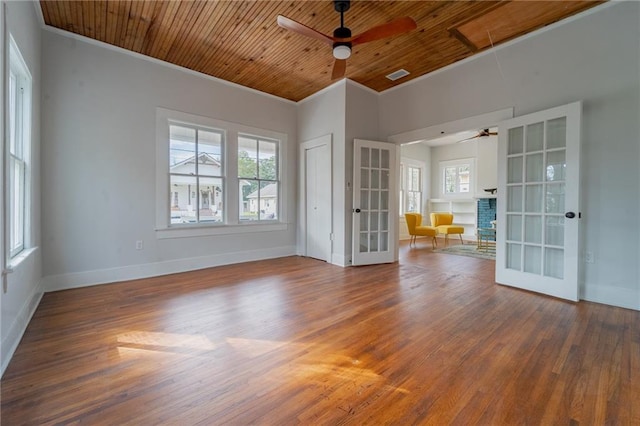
column 588, row 256
column 139, row 245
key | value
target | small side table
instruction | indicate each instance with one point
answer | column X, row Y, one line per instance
column 486, row 239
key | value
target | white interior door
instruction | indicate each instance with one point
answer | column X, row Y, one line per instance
column 316, row 157
column 374, row 202
column 538, row 201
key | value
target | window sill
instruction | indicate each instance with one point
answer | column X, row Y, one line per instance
column 15, row 261
column 205, row 231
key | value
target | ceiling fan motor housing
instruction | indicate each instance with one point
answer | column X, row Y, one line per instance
column 342, row 49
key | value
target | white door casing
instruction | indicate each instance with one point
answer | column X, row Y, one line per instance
column 375, row 202
column 539, row 201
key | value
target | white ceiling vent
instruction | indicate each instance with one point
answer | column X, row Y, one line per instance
column 398, row 74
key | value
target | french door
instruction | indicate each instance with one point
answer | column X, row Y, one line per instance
column 374, row 202
column 538, row 201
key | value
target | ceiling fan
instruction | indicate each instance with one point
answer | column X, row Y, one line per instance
column 342, row 41
column 481, row 134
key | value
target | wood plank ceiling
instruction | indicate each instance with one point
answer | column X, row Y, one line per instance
column 239, row 41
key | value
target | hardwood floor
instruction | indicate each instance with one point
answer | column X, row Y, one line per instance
column 431, row 340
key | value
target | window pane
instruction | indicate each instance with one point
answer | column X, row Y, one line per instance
column 182, row 149
column 183, row 196
column 464, row 179
column 209, row 153
column 450, row 180
column 16, row 204
column 211, row 198
column 12, row 112
column 268, row 165
column 247, row 158
column 259, row 200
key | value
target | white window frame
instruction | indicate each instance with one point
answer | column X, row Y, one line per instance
column 471, row 162
column 20, row 156
column 405, row 164
column 231, row 204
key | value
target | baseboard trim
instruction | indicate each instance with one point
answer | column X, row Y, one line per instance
column 614, row 296
column 19, row 326
column 134, row 272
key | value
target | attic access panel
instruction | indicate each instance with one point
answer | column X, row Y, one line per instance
column 512, row 19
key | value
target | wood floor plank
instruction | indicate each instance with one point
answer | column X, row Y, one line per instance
column 429, row 340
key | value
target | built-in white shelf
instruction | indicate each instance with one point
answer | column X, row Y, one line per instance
column 464, row 212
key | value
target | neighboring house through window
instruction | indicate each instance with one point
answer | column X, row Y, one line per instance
column 214, row 176
column 18, row 150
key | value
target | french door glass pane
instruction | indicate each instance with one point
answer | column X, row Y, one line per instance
column 533, row 199
column 554, row 262
column 514, row 170
column 384, row 180
column 515, row 145
column 514, row 198
column 364, row 178
column 384, row 200
column 364, row 242
column 514, row 227
column 514, row 257
column 364, row 157
column 364, row 221
column 556, row 165
column 533, row 229
column 534, row 171
column 555, row 198
column 375, row 178
column 384, row 163
column 364, row 199
column 384, row 241
column 373, row 224
column 557, row 133
column 375, row 158
column 554, row 230
column 384, row 221
column 532, row 259
column 373, row 242
column 375, row 200
column 535, row 137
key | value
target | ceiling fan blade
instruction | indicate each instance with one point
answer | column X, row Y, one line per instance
column 339, row 69
column 395, row 27
column 299, row 28
column 469, row 139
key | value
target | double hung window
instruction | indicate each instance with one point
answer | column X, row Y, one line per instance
column 457, row 178
column 215, row 177
column 18, row 149
column 410, row 187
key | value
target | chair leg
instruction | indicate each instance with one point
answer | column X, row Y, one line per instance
column 446, row 240
column 461, row 240
column 434, row 243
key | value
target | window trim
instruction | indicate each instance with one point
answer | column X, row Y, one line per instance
column 232, row 224
column 471, row 162
column 19, row 68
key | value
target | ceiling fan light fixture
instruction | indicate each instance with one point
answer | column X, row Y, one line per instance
column 341, row 51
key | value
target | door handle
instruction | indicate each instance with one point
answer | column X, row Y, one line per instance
column 569, row 215
column 357, row 210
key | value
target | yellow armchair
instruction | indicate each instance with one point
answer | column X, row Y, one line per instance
column 414, row 223
column 443, row 222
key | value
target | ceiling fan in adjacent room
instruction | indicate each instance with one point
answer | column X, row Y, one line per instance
column 481, row 134
column 342, row 41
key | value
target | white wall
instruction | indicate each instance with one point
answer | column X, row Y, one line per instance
column 23, row 289
column 361, row 122
column 324, row 114
column 594, row 58
column 99, row 113
column 483, row 150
